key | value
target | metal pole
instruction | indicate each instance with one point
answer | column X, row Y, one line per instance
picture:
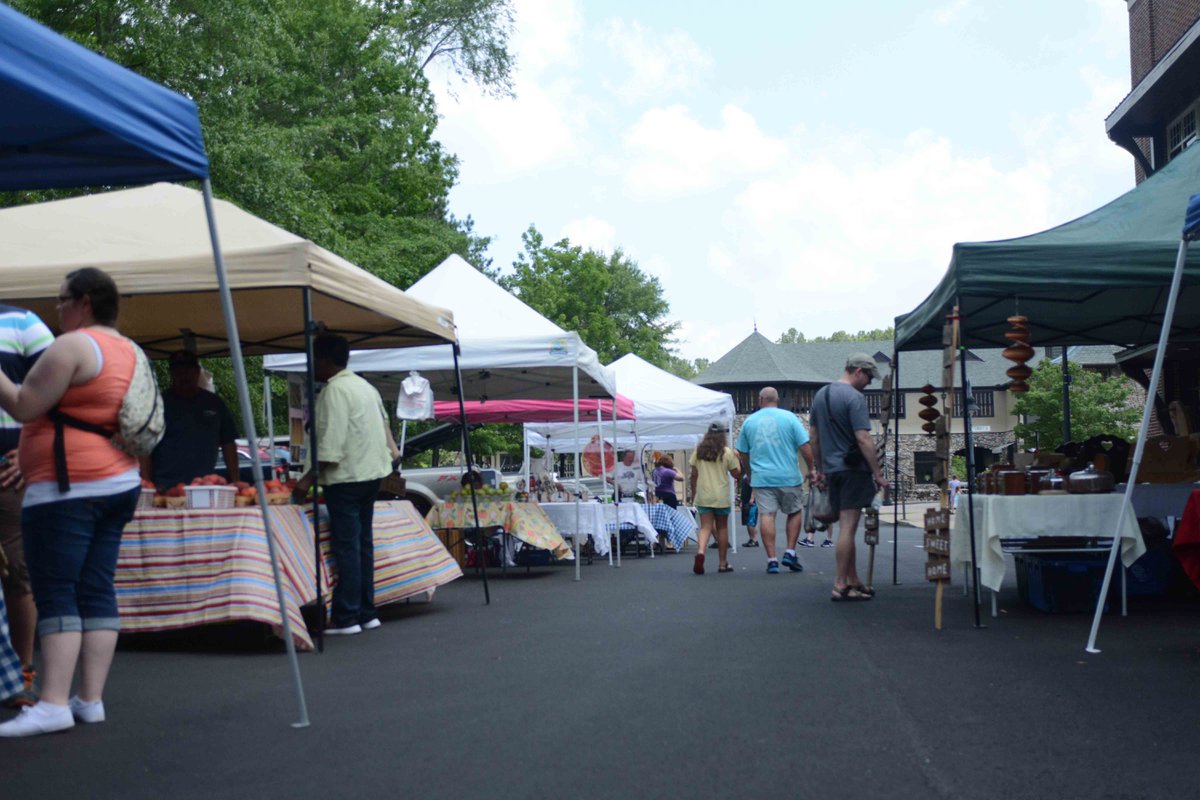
column 896, row 460
column 578, row 476
column 239, row 371
column 616, row 497
column 603, row 470
column 310, row 391
column 1066, row 397
column 968, row 405
column 466, row 442
column 1127, row 503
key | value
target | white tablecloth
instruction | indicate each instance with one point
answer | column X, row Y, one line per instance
column 633, row 515
column 1033, row 516
column 594, row 519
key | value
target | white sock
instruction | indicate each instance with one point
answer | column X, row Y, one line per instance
column 790, row 552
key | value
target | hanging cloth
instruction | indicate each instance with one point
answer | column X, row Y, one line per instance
column 416, row 398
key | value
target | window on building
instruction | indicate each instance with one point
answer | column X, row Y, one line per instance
column 925, row 463
column 875, row 400
column 1181, row 133
column 798, row 401
column 985, row 403
column 745, row 399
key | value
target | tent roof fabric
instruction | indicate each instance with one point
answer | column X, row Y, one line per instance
column 1100, row 279
column 507, row 350
column 74, row 118
column 668, row 410
column 154, row 242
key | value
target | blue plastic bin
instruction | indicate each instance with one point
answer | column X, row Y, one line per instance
column 1063, row 583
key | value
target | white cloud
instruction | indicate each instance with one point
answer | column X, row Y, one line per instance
column 672, row 153
column 497, row 138
column 951, row 11
column 658, row 63
column 591, row 233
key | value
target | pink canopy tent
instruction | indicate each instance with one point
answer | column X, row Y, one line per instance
column 534, row 410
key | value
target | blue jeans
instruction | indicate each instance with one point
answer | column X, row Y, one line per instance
column 71, row 550
column 351, row 508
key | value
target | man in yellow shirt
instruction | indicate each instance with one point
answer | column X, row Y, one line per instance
column 356, row 451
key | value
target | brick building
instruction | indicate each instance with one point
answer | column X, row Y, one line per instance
column 1157, row 119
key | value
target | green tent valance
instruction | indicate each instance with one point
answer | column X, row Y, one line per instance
column 1099, row 279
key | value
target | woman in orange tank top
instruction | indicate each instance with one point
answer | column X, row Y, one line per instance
column 72, row 537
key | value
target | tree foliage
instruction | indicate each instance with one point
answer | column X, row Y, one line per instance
column 317, row 116
column 793, row 336
column 1098, row 405
column 614, row 306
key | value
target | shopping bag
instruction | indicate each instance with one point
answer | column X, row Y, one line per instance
column 752, row 516
column 819, row 507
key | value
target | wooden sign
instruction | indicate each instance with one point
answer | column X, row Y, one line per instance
column 937, row 569
column 871, row 526
column 937, row 544
column 937, row 519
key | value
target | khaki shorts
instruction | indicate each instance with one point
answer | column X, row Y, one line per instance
column 771, row 499
column 17, row 579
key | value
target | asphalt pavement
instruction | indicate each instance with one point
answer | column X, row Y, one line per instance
column 648, row 681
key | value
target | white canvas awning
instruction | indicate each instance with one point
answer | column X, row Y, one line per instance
column 669, row 412
column 508, row 350
column 155, row 245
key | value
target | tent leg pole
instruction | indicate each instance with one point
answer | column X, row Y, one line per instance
column 896, row 472
column 310, row 389
column 967, row 404
column 1131, row 483
column 239, row 371
column 466, row 444
column 616, row 495
column 578, row 473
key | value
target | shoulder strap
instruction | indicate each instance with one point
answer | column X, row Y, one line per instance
column 829, row 413
column 61, row 419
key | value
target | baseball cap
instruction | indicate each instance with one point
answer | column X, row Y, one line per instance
column 717, row 427
column 183, row 358
column 863, row 361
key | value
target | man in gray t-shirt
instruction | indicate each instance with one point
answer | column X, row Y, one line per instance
column 845, row 454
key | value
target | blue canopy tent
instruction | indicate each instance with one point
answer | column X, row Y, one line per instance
column 74, row 118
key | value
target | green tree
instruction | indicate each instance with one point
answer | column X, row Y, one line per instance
column 614, row 306
column 317, row 116
column 791, row 336
column 1098, row 405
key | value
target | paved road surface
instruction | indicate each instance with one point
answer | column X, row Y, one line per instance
column 650, row 682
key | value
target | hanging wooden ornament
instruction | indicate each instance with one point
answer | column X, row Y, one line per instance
column 1018, row 352
column 928, row 413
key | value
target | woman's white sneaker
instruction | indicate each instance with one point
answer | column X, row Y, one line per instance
column 86, row 712
column 41, row 718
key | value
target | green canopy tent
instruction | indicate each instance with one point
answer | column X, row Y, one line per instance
column 1099, row 279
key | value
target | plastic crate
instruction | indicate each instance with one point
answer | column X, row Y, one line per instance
column 1061, row 583
column 1150, row 574
column 210, row 496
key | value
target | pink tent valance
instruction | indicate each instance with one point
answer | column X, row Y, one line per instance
column 534, row 410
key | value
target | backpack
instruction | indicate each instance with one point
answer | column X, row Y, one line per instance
column 140, row 421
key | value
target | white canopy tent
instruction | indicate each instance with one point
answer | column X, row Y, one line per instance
column 670, row 413
column 507, row 350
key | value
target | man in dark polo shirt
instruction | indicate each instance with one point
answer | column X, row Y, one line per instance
column 198, row 423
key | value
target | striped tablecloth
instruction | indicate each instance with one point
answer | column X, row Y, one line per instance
column 181, row 568
column 409, row 559
column 677, row 523
column 525, row 521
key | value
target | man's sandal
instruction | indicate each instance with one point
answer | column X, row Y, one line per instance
column 847, row 593
column 869, row 592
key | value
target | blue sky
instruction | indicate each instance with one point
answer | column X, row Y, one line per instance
column 794, row 164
